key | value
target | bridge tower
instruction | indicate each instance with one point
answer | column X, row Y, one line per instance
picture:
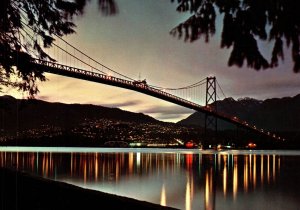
column 211, row 98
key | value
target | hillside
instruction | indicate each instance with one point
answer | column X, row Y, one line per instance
column 277, row 114
column 40, row 123
column 18, row 114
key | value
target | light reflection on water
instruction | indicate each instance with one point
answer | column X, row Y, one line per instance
column 185, row 179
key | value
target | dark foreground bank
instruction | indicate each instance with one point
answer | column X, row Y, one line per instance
column 23, row 191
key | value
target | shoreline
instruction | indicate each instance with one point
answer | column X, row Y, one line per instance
column 20, row 190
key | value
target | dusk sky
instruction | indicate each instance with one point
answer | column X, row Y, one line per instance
column 137, row 42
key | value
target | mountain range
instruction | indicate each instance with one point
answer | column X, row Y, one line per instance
column 276, row 114
column 26, row 114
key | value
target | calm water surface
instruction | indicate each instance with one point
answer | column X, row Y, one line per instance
column 184, row 179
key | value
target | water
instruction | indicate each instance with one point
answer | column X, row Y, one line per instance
column 184, row 179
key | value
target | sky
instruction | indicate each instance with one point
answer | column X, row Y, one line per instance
column 136, row 42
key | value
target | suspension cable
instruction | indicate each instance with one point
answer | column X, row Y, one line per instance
column 221, row 89
column 94, row 59
column 201, row 82
column 32, row 38
column 39, row 33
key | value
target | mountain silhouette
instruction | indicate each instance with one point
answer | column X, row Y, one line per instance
column 20, row 114
column 276, row 114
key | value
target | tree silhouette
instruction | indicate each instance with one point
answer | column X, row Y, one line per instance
column 48, row 18
column 245, row 22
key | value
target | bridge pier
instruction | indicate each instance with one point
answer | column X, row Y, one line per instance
column 211, row 122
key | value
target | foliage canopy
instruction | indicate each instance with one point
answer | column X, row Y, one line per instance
column 47, row 18
column 245, row 23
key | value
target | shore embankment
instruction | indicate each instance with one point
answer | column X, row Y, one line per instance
column 20, row 190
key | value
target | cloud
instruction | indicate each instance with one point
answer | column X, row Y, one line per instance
column 167, row 110
column 282, row 84
column 123, row 104
column 43, row 98
column 171, row 117
column 277, row 88
column 167, row 113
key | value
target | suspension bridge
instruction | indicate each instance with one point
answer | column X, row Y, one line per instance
column 66, row 60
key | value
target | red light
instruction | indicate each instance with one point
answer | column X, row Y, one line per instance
column 189, row 144
column 251, row 145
